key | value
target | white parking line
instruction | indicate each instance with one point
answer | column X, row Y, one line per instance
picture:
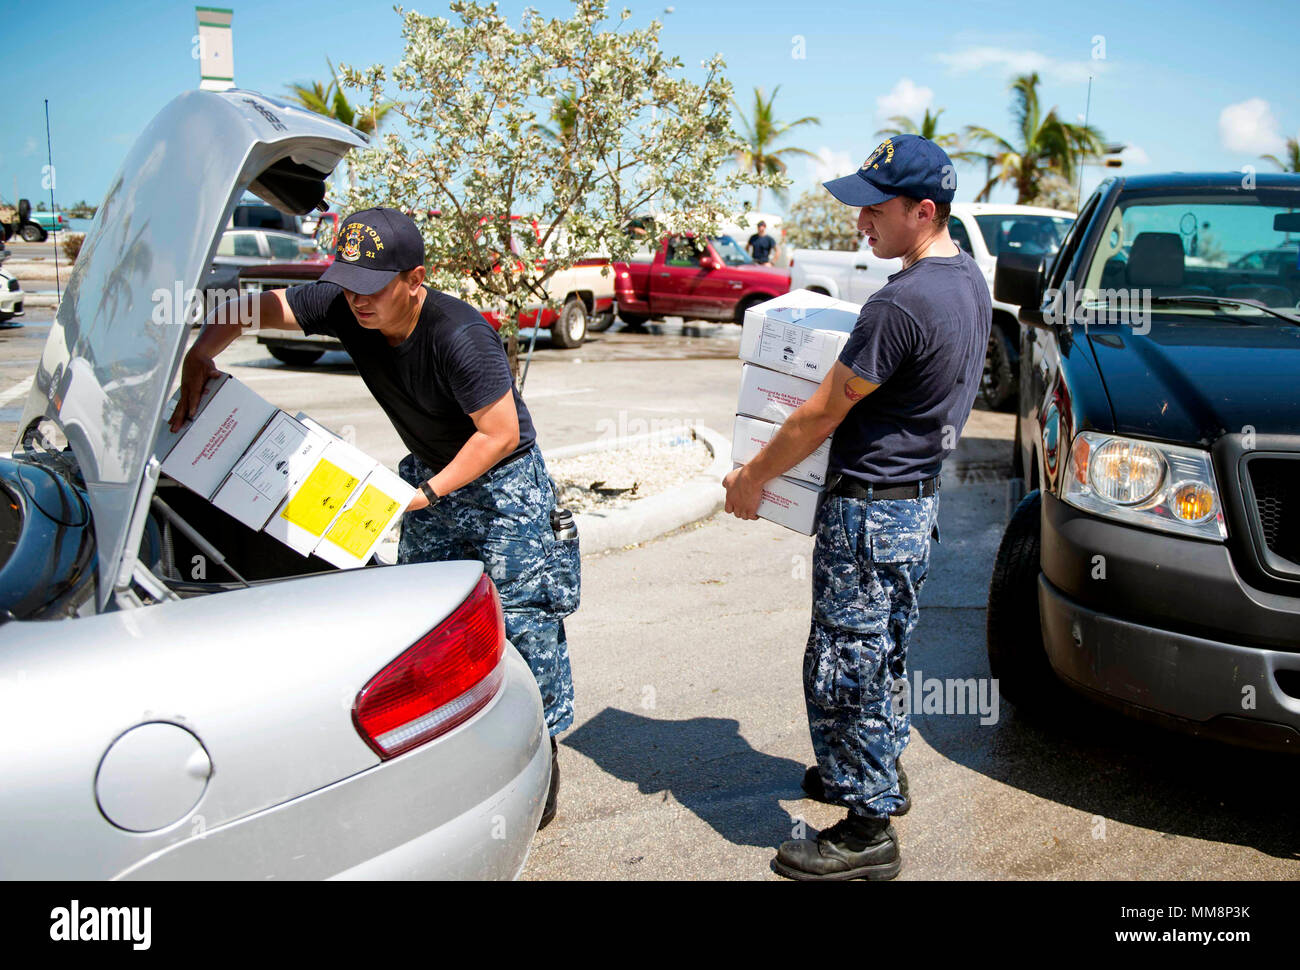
column 17, row 391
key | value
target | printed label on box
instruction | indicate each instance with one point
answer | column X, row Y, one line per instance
column 319, row 497
column 359, row 527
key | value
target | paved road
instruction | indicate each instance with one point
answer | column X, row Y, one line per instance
column 691, row 735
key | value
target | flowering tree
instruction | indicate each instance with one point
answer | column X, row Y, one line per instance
column 818, row 221
column 636, row 137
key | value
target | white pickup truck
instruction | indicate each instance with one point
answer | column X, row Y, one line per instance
column 983, row 230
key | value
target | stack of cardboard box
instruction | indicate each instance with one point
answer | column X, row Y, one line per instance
column 789, row 345
column 283, row 475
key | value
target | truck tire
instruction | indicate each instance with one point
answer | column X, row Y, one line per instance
column 570, row 327
column 600, row 322
column 295, row 356
column 744, row 305
column 34, row 233
column 998, row 386
column 1013, row 634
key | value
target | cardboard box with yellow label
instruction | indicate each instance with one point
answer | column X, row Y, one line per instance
column 289, row 477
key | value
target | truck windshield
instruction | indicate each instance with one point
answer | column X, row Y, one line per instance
column 1023, row 233
column 731, row 251
column 1227, row 246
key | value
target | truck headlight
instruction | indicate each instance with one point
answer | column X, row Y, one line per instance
column 1157, row 486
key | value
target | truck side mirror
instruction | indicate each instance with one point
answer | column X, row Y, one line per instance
column 709, row 263
column 1018, row 279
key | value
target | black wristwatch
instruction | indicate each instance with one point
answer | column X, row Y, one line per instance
column 433, row 497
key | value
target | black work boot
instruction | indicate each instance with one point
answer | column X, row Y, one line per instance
column 812, row 785
column 548, row 812
column 859, row 847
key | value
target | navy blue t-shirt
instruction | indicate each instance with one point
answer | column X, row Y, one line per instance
column 451, row 365
column 922, row 337
column 762, row 247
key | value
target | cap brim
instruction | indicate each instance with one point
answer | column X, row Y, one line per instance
column 358, row 279
column 855, row 190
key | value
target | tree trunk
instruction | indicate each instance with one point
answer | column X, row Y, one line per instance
column 512, row 351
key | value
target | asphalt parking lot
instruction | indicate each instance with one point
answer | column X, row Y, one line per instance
column 691, row 738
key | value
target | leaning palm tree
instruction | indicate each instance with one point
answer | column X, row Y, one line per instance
column 929, row 128
column 330, row 101
column 1292, row 163
column 1046, row 144
column 564, row 113
column 760, row 135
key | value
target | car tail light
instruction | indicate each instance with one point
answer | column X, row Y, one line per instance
column 447, row 676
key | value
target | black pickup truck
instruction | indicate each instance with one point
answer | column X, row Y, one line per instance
column 1154, row 562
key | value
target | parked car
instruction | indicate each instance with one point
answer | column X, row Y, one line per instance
column 709, row 279
column 252, row 213
column 982, row 229
column 238, row 248
column 11, row 293
column 585, row 293
column 1279, row 260
column 1154, row 564
column 270, row 717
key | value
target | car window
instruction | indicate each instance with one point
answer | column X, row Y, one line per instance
column 959, row 234
column 246, row 244
column 284, row 247
column 1073, row 235
column 682, row 252
column 732, row 253
column 1023, row 233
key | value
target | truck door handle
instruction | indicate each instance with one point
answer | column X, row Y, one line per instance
column 859, row 266
column 666, row 275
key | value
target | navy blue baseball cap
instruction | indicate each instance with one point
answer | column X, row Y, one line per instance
column 903, row 165
column 373, row 246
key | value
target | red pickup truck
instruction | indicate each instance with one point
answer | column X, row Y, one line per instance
column 716, row 281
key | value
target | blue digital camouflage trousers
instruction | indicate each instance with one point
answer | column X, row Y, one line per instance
column 869, row 564
column 502, row 519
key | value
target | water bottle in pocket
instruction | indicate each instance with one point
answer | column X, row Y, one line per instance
column 564, row 564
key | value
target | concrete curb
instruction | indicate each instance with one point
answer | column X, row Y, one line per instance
column 39, row 300
column 646, row 518
column 649, row 518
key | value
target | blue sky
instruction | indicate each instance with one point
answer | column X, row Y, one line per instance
column 1192, row 86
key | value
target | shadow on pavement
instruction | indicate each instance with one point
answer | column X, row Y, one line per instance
column 1112, row 766
column 704, row 763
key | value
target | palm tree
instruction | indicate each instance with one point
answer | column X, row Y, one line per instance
column 759, row 156
column 1046, row 144
column 1292, row 163
column 330, row 101
column 564, row 112
column 929, row 128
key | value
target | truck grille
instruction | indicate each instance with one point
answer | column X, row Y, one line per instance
column 1276, row 484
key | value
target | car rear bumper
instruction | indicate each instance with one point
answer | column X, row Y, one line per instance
column 465, row 806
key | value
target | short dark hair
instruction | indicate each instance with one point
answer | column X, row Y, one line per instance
column 942, row 210
column 762, row 223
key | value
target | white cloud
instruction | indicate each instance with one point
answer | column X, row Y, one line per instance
column 1019, row 61
column 830, row 164
column 905, row 99
column 29, row 146
column 1249, row 126
column 1135, row 155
